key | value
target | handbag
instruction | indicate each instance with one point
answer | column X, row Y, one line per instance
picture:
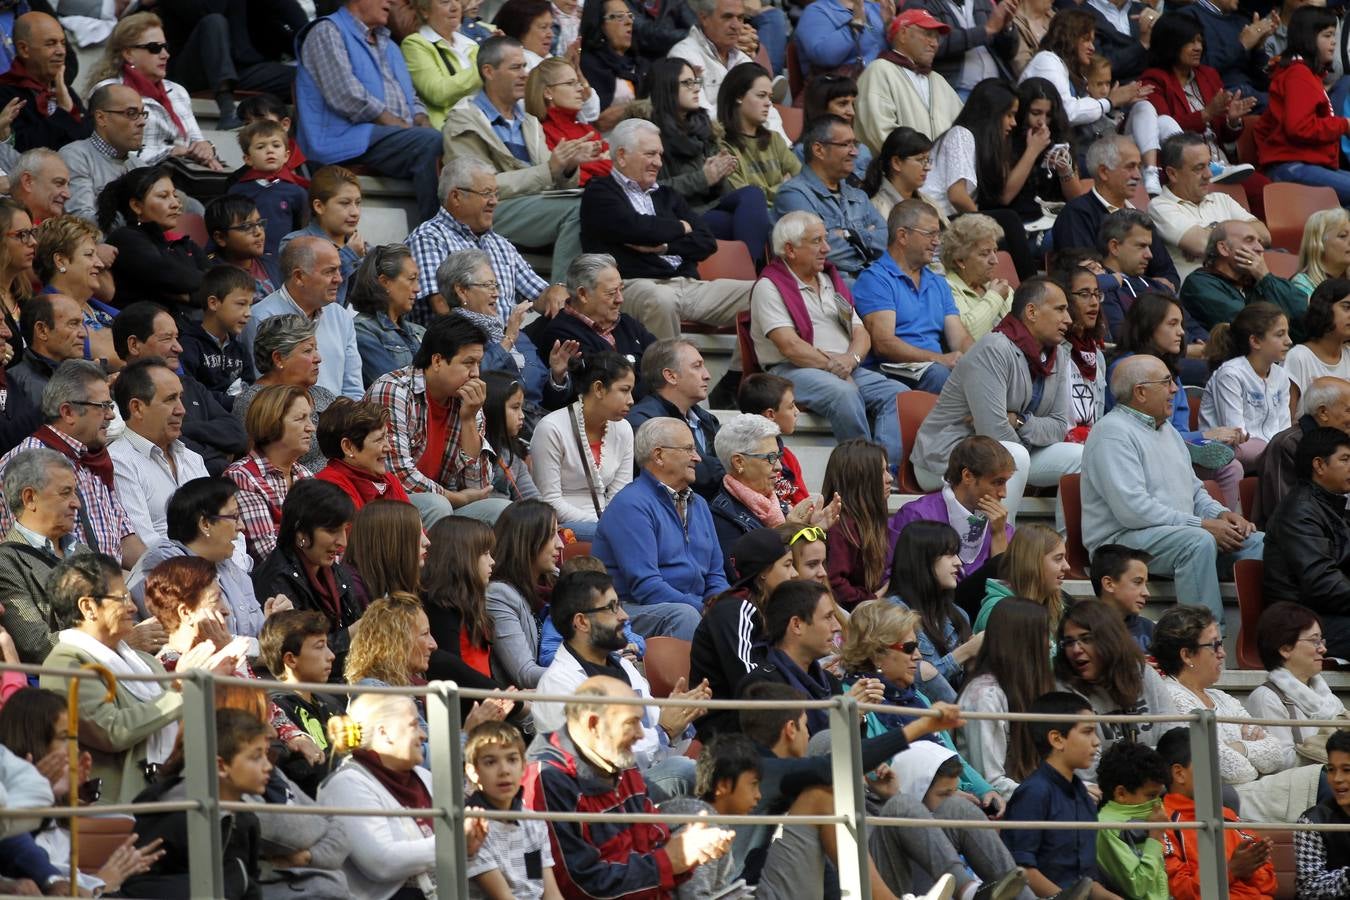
column 585, row 458
column 1312, row 747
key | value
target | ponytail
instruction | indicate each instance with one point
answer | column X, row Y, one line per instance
column 1230, row 341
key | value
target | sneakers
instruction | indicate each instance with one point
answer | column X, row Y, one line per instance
column 943, row 890
column 1229, row 174
column 1006, row 887
column 1080, row 890
column 1152, row 182
column 778, row 92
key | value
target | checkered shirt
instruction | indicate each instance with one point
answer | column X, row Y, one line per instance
column 443, row 234
column 262, row 490
column 404, row 393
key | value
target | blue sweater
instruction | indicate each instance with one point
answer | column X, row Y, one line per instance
column 651, row 555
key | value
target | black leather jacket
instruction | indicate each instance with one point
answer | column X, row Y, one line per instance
column 1307, row 552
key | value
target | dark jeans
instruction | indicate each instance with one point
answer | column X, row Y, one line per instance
column 412, row 153
column 209, row 61
column 742, row 215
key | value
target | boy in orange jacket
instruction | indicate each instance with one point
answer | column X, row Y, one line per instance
column 1251, row 872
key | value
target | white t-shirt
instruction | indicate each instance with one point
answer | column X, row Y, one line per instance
column 1237, row 397
column 1304, row 368
column 953, row 161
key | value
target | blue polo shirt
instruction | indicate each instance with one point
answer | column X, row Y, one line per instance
column 512, row 130
column 1062, row 856
column 919, row 311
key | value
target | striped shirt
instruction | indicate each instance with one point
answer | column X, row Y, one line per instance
column 404, row 393
column 443, row 234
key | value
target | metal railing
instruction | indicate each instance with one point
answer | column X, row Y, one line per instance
column 445, row 762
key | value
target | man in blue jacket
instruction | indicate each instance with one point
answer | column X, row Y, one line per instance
column 657, row 537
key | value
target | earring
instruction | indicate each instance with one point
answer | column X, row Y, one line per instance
column 61, row 269
column 301, row 543
column 206, row 532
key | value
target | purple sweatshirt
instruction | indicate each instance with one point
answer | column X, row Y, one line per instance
column 934, row 509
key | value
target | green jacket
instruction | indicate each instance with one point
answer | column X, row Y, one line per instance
column 1212, row 299
column 994, row 591
column 763, row 167
column 1131, row 866
column 436, row 83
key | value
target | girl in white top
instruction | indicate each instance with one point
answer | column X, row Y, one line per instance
column 582, row 455
column 1249, row 388
column 1325, row 352
column 1006, row 678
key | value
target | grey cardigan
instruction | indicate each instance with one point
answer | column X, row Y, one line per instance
column 989, row 382
column 515, row 635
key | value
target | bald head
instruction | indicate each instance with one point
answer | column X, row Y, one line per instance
column 1144, row 383
column 605, row 731
column 41, row 44
column 595, row 689
column 1327, row 400
column 118, row 116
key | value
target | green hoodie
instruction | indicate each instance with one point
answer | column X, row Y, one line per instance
column 994, row 591
column 1129, row 865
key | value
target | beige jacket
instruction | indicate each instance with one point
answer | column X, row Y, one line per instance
column 887, row 99
column 467, row 133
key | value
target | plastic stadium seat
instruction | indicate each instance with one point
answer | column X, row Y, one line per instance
column 1005, row 269
column 1236, row 192
column 795, row 76
column 1286, row 868
column 1248, row 573
column 912, row 407
column 1071, row 496
column 1282, row 265
column 666, row 662
column 731, row 260
column 1195, row 413
column 1246, row 142
column 575, row 549
column 1248, row 489
column 1288, row 207
column 1214, row 490
column 792, row 121
column 100, row 837
column 194, row 226
column 749, row 361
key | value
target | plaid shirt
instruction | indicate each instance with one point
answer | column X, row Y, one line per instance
column 324, row 55
column 404, row 393
column 443, row 234
column 107, row 519
column 262, row 490
column 160, row 135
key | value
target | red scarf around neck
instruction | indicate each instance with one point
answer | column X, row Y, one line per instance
column 152, row 90
column 405, row 787
column 18, row 76
column 1040, row 359
column 282, row 174
column 1084, row 352
column 96, row 461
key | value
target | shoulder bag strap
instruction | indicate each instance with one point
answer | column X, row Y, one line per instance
column 1288, row 707
column 586, row 463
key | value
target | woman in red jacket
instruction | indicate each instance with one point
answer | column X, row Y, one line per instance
column 554, row 94
column 1193, row 95
column 1299, row 137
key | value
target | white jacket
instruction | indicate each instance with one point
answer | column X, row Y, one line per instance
column 386, row 852
column 22, row 787
column 560, row 470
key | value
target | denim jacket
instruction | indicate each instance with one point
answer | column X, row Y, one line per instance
column 385, row 346
column 847, row 212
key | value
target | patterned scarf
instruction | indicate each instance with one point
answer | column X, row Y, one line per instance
column 492, row 325
column 152, row 90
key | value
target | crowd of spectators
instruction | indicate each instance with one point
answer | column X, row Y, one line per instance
column 1000, row 251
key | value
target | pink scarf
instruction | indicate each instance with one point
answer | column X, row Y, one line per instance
column 766, row 509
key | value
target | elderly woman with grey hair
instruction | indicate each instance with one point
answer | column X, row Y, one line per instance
column 469, row 285
column 40, row 488
column 748, row 448
column 969, row 256
column 382, row 293
column 285, row 351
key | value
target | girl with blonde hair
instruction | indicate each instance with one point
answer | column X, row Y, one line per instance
column 1033, row 568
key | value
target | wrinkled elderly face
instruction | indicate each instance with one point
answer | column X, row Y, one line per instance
column 642, row 161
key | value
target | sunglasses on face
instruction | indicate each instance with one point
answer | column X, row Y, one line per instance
column 907, row 648
column 153, row 47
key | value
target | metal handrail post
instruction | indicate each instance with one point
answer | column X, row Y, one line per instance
column 851, row 835
column 205, row 866
column 1209, row 806
column 447, row 787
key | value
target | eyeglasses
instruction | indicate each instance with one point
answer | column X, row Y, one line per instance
column 256, row 225
column 925, row 161
column 851, row 145
column 124, row 597
column 1089, row 294
column 691, row 82
column 486, row 195
column 1086, row 639
column 1154, row 381
column 907, row 648
column 610, row 607
column 811, row 534
column 1316, row 642
column 688, row 449
column 770, row 458
column 575, row 82
column 235, row 517
column 1216, row 646
column 24, row 236
column 130, row 112
column 617, row 17
column 929, row 233
column 491, row 287
column 107, row 405
column 154, row 47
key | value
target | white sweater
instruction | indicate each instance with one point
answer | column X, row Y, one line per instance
column 1263, row 757
column 386, row 852
column 985, row 742
column 1080, row 110
column 560, row 471
column 1239, row 398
